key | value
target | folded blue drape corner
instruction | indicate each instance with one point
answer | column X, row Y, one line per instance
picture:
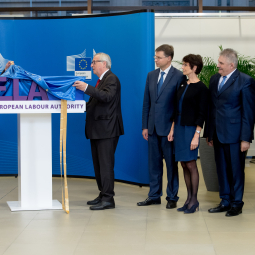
column 57, row 87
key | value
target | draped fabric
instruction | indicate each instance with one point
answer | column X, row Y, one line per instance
column 59, row 87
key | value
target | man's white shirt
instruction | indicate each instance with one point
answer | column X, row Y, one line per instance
column 221, row 78
column 100, row 78
column 166, row 72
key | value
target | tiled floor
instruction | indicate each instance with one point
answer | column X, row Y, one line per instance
column 128, row 229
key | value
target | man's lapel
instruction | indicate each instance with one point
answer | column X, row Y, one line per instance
column 167, row 79
column 214, row 86
column 102, row 81
column 155, row 82
column 229, row 82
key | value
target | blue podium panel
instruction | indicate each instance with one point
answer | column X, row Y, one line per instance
column 51, row 47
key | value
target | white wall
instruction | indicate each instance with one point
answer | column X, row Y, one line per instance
column 199, row 35
column 202, row 36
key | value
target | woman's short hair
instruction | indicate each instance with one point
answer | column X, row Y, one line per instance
column 194, row 60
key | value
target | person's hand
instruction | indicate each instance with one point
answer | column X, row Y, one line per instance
column 245, row 146
column 145, row 134
column 209, row 143
column 80, row 85
column 170, row 136
column 9, row 63
column 194, row 142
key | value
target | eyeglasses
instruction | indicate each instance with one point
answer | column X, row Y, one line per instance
column 94, row 61
column 158, row 58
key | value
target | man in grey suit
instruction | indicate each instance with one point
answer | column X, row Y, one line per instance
column 104, row 125
column 158, row 110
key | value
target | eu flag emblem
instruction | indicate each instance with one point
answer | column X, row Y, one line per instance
column 82, row 64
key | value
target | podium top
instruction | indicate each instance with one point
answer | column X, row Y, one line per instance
column 36, row 106
column 24, row 92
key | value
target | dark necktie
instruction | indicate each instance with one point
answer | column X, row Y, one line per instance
column 160, row 83
column 97, row 83
column 222, row 83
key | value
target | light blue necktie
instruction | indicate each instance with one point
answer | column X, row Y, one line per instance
column 222, row 83
column 160, row 83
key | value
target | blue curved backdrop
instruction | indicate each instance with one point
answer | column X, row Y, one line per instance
column 46, row 46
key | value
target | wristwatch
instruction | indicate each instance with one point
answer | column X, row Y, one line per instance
column 198, row 131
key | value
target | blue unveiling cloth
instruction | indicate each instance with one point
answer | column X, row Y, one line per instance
column 57, row 87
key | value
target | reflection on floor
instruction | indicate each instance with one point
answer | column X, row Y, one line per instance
column 128, row 229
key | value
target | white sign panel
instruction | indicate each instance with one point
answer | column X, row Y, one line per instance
column 86, row 74
column 41, row 106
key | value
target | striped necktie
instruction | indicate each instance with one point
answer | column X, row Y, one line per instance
column 222, row 83
column 160, row 83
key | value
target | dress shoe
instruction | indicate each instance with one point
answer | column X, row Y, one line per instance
column 192, row 209
column 182, row 209
column 171, row 204
column 95, row 201
column 149, row 201
column 103, row 205
column 219, row 208
column 234, row 211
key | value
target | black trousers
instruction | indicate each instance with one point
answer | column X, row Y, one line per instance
column 230, row 162
column 103, row 160
column 159, row 146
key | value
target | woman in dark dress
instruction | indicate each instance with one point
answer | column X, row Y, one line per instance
column 191, row 110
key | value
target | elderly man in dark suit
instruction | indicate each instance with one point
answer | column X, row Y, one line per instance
column 230, row 129
column 157, row 117
column 104, row 125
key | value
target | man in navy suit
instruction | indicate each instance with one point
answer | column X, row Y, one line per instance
column 158, row 110
column 230, row 129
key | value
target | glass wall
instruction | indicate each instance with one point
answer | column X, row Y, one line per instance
column 106, row 6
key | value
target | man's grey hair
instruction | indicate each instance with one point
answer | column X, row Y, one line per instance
column 231, row 55
column 105, row 57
